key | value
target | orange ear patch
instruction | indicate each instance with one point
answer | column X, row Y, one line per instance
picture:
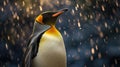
column 39, row 19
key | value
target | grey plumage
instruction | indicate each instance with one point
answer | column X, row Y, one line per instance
column 32, row 46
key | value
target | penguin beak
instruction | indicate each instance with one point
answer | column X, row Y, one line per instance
column 59, row 12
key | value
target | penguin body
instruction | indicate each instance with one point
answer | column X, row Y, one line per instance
column 46, row 46
column 51, row 51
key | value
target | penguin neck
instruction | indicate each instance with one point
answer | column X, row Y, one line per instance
column 53, row 31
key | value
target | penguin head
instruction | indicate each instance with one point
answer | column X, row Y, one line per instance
column 49, row 18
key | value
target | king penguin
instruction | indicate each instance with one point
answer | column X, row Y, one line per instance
column 46, row 46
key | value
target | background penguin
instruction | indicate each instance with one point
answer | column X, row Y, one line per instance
column 46, row 46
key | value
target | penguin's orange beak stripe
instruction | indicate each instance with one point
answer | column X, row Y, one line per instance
column 57, row 14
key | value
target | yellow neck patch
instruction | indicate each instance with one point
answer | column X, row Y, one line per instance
column 53, row 31
column 51, row 34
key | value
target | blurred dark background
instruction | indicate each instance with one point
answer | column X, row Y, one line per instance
column 91, row 30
